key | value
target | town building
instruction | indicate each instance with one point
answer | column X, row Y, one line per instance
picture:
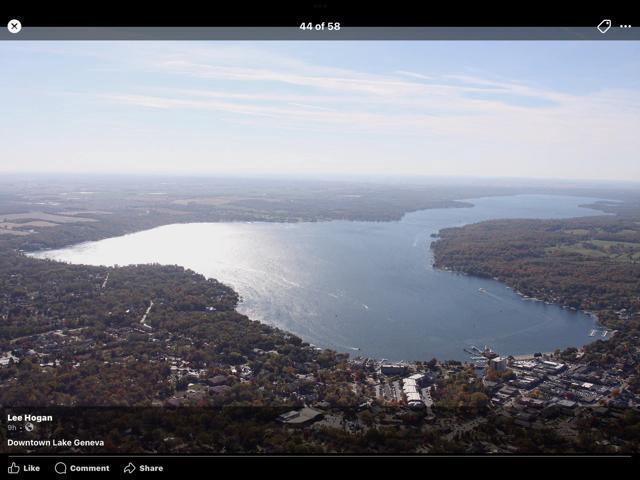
column 498, row 364
column 393, row 369
column 301, row 417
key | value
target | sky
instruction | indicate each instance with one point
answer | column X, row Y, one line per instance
column 445, row 108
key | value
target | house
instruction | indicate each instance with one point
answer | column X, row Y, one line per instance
column 217, row 380
column 498, row 364
column 420, row 379
column 393, row 369
column 566, row 406
column 508, row 391
column 553, row 367
column 301, row 417
column 219, row 389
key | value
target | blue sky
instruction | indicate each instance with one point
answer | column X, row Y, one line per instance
column 514, row 109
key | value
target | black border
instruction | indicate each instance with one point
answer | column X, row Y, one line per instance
column 396, row 13
column 379, row 466
column 388, row 13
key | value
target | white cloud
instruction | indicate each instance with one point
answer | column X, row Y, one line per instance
column 409, row 120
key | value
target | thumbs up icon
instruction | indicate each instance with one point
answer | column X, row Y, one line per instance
column 13, row 468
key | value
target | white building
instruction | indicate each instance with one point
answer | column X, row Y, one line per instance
column 410, row 390
column 498, row 364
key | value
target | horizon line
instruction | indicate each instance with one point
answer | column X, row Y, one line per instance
column 316, row 176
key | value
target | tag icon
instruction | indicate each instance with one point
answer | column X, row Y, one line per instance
column 604, row 26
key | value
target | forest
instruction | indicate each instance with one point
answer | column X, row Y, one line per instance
column 120, row 341
column 586, row 263
column 82, row 342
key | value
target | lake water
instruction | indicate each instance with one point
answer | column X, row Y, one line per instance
column 363, row 285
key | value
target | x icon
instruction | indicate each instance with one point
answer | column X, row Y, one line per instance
column 14, row 26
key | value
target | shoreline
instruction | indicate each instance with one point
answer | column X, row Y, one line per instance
column 593, row 315
column 461, row 204
column 351, row 350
